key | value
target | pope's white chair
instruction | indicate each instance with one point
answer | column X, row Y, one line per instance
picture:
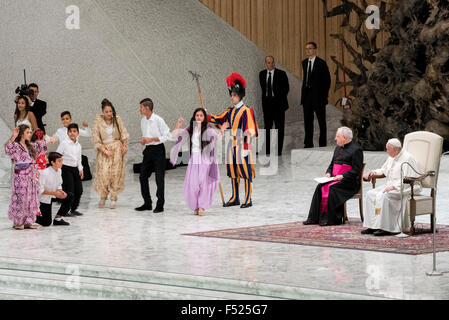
column 426, row 147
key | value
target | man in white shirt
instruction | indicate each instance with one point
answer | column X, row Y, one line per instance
column 50, row 187
column 72, row 172
column 383, row 204
column 155, row 133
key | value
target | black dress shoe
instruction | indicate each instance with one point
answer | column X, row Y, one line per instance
column 144, row 207
column 60, row 222
column 231, row 204
column 381, row 233
column 368, row 231
column 246, row 205
column 158, row 210
column 76, row 213
column 308, row 222
column 69, row 215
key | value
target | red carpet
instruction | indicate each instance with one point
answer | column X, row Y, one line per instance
column 345, row 236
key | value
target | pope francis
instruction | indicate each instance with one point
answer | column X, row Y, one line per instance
column 383, row 204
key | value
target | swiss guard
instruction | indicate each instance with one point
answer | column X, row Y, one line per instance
column 244, row 129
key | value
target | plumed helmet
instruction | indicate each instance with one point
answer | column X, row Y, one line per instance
column 236, row 84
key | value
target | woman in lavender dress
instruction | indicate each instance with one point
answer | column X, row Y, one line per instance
column 24, row 200
column 202, row 176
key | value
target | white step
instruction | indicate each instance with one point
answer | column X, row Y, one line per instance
column 120, row 283
column 55, row 286
column 7, row 293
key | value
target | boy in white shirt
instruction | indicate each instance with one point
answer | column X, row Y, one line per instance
column 50, row 187
column 72, row 172
column 155, row 133
column 61, row 134
column 66, row 120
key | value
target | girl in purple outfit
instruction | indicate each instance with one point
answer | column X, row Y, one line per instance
column 202, row 176
column 24, row 200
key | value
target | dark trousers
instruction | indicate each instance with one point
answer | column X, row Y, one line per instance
column 309, row 110
column 272, row 114
column 86, row 168
column 72, row 185
column 45, row 219
column 153, row 159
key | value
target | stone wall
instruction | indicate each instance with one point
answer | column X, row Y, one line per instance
column 126, row 51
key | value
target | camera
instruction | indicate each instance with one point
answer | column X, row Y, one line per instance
column 24, row 90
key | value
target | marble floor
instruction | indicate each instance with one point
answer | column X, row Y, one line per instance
column 124, row 238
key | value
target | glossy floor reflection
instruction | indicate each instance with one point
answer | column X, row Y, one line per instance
column 146, row 241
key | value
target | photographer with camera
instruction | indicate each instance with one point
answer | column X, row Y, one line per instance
column 38, row 107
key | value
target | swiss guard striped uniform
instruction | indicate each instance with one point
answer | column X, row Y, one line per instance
column 239, row 158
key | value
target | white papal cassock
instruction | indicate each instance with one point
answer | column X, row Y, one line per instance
column 382, row 210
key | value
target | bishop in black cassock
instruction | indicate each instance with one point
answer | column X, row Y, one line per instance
column 328, row 201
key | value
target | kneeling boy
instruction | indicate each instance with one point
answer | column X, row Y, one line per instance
column 50, row 187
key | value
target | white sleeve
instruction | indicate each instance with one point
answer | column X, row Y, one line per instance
column 165, row 132
column 59, row 181
column 85, row 132
column 42, row 181
column 382, row 170
column 59, row 134
column 143, row 129
column 80, row 165
column 60, row 148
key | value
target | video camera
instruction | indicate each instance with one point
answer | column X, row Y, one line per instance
column 24, row 90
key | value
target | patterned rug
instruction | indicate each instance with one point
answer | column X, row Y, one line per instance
column 345, row 236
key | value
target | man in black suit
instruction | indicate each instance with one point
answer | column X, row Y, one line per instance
column 275, row 88
column 38, row 107
column 315, row 91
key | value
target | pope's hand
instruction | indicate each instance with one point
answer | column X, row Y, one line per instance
column 388, row 189
column 368, row 175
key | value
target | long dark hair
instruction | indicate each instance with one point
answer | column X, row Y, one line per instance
column 204, row 126
column 30, row 147
column 27, row 108
column 106, row 103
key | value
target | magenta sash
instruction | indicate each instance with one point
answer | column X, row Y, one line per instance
column 337, row 170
